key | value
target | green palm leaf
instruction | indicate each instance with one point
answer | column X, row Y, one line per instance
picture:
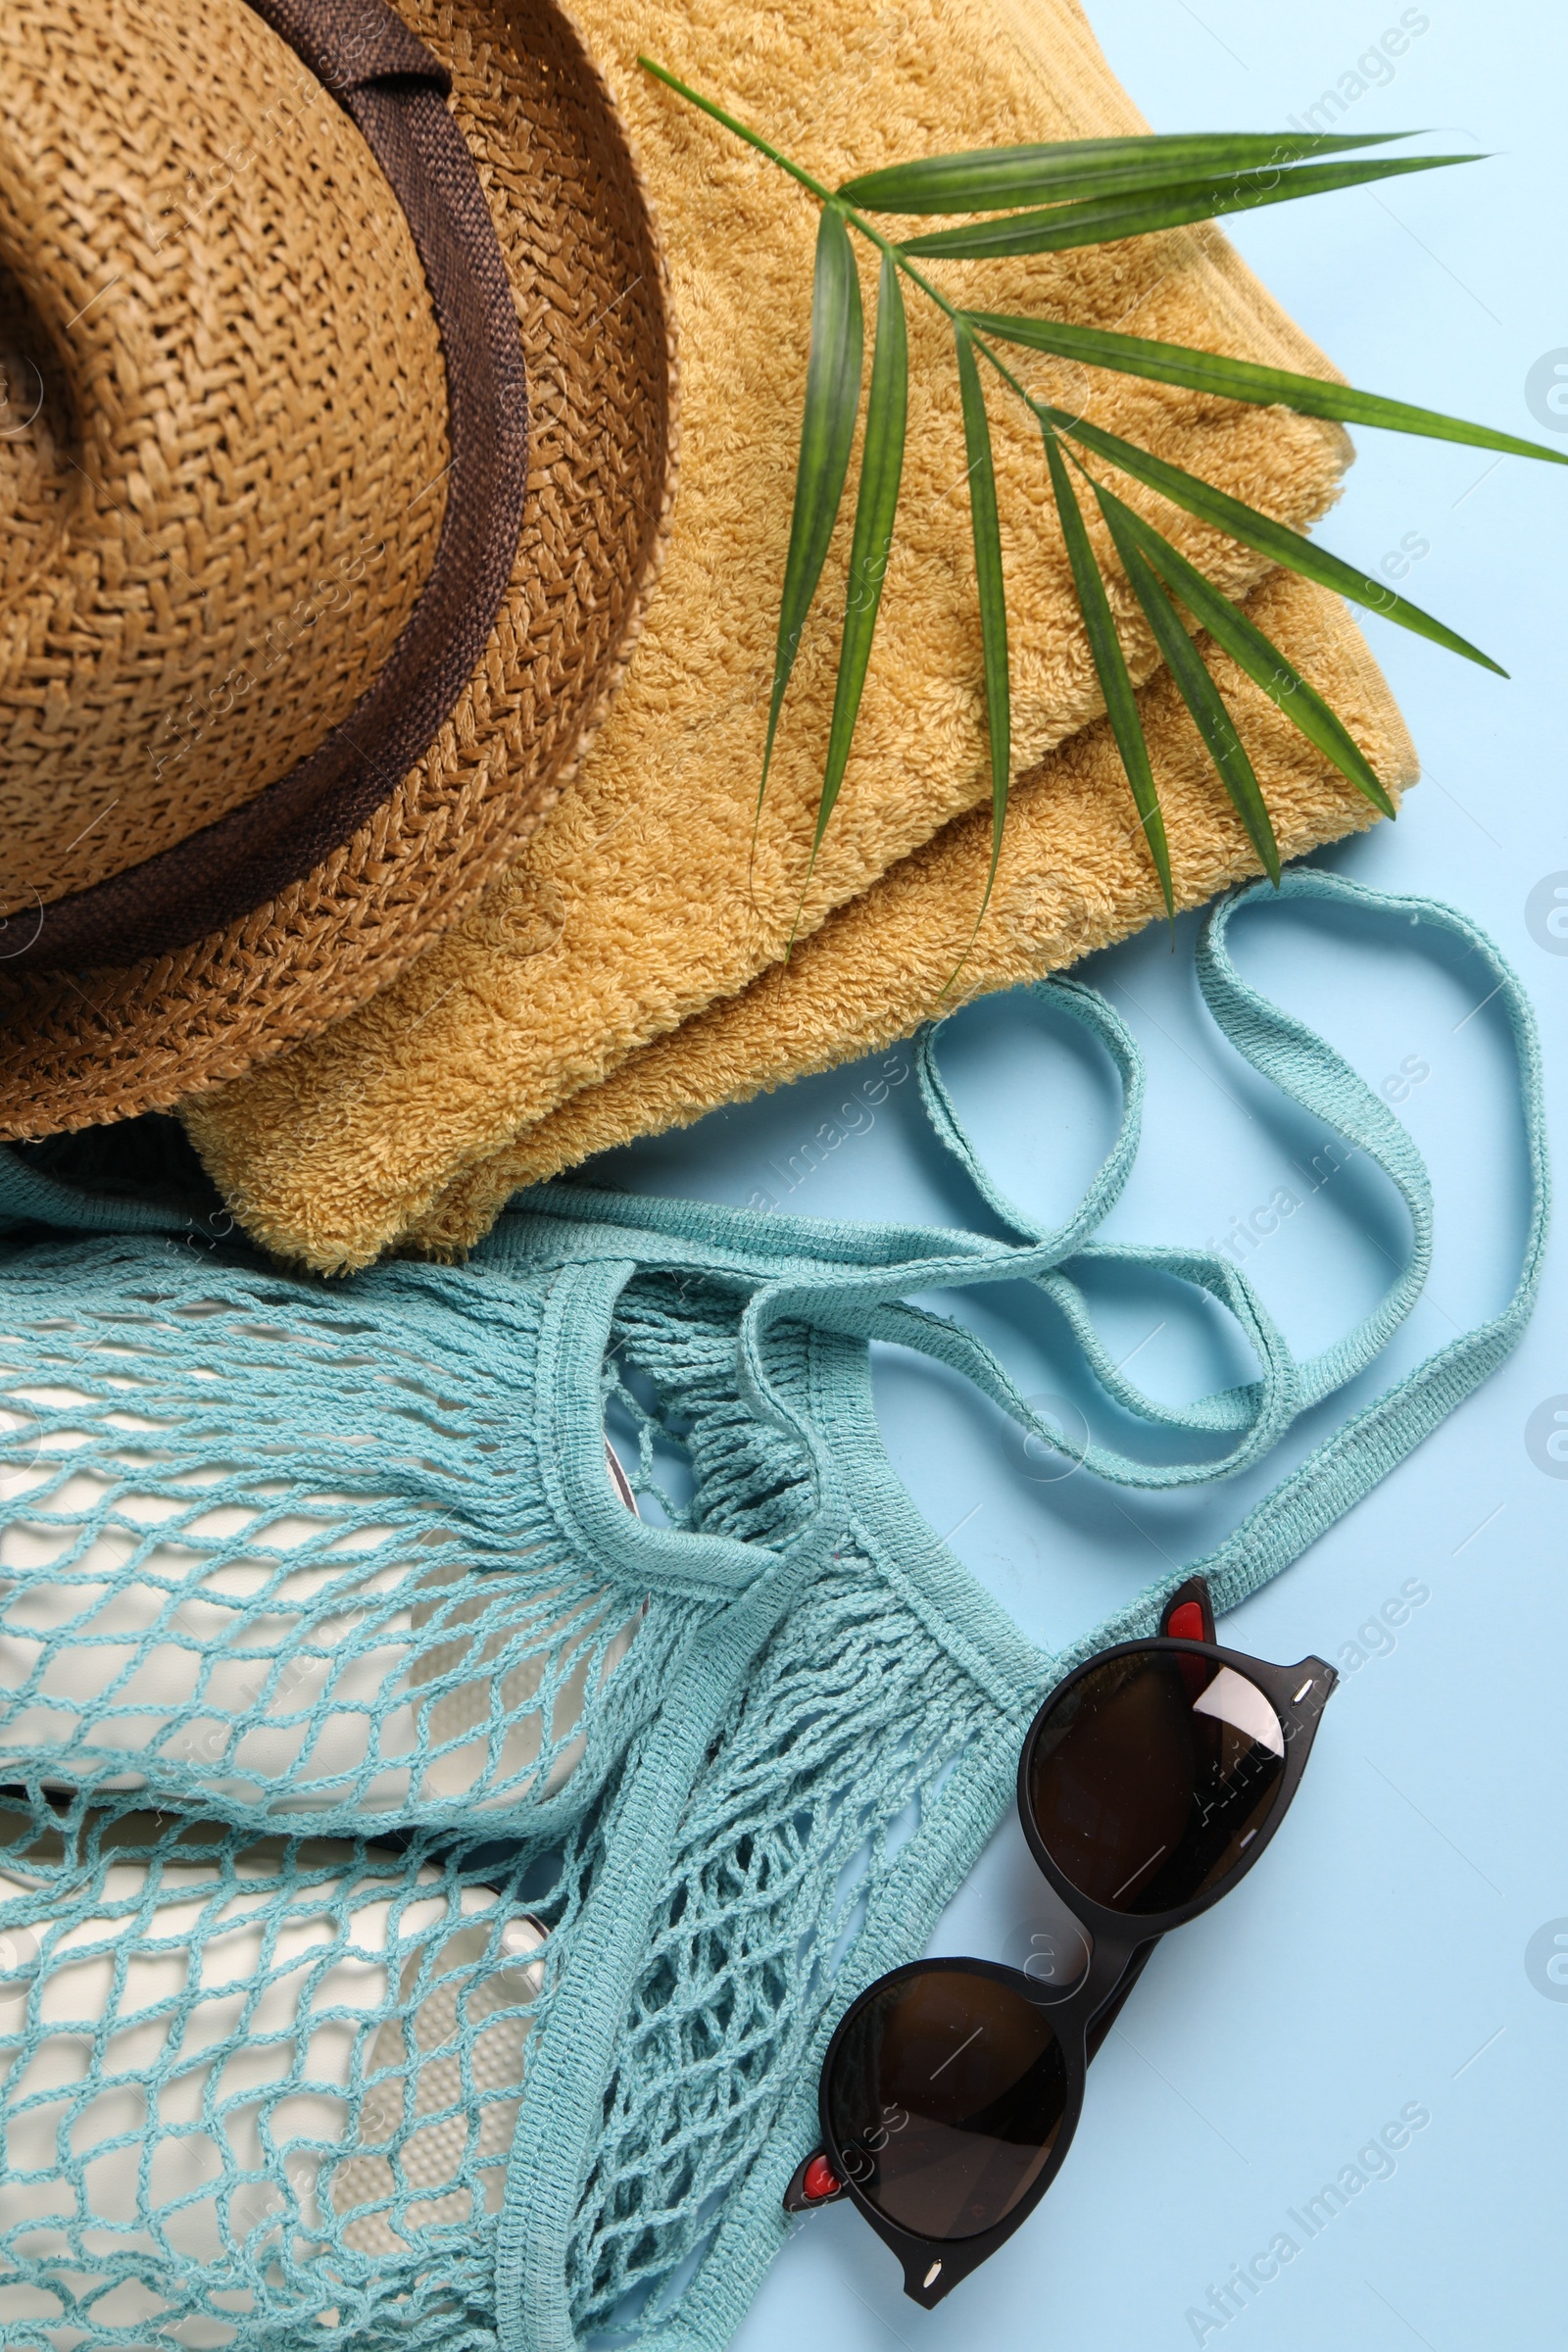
column 993, row 603
column 1197, row 689
column 1260, row 659
column 993, row 179
column 1242, row 379
column 1275, row 540
column 828, row 431
column 1103, row 218
column 1064, row 194
column 877, row 505
column 1111, row 667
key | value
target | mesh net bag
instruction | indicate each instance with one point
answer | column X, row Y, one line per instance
column 426, row 1887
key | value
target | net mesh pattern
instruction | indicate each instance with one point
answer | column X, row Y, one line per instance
column 272, row 1548
column 283, row 1607
column 251, row 2090
column 851, row 1721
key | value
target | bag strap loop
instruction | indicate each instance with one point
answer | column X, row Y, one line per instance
column 872, row 1302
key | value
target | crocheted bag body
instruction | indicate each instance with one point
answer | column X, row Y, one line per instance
column 426, row 1889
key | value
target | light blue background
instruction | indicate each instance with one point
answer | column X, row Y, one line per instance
column 1378, row 1957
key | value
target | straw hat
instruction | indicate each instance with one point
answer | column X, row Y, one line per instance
column 335, row 460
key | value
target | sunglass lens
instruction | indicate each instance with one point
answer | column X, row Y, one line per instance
column 945, row 2098
column 1152, row 1776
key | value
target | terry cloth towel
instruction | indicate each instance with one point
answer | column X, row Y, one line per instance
column 632, row 910
column 1072, row 878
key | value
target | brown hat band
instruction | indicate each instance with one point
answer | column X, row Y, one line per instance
column 394, row 90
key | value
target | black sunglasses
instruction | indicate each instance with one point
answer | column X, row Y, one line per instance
column 1149, row 1783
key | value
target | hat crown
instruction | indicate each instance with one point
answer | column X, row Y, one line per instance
column 223, row 442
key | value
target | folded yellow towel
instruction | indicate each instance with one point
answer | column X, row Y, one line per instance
column 1072, row 878
column 632, row 911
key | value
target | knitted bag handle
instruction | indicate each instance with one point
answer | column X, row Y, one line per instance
column 856, row 1279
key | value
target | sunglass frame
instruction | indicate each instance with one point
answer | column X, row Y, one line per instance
column 1120, row 1943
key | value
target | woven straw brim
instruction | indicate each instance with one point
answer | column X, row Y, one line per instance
column 578, row 235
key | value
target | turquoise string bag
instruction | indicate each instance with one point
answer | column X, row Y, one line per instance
column 426, row 1889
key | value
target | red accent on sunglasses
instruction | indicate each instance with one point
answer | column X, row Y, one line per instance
column 1186, row 1624
column 820, row 2180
